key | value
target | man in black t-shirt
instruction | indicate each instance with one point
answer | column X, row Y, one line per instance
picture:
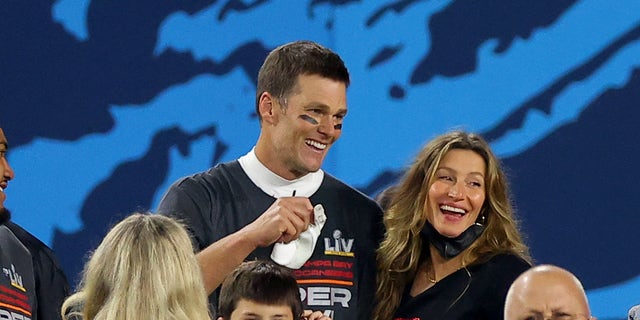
column 238, row 210
column 32, row 285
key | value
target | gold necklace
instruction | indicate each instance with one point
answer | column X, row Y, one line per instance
column 432, row 280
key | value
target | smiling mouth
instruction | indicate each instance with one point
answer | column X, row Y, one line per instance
column 316, row 144
column 452, row 210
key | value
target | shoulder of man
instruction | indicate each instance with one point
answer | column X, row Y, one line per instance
column 199, row 183
column 30, row 241
column 39, row 250
column 341, row 187
column 49, row 275
column 230, row 167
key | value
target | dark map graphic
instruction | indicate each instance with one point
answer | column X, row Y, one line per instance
column 55, row 80
column 458, row 30
column 565, row 213
column 158, row 90
column 144, row 176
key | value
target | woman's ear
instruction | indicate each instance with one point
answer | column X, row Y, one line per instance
column 482, row 217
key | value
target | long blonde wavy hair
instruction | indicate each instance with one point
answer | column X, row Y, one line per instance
column 145, row 268
column 400, row 252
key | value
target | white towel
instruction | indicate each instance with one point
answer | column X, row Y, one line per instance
column 295, row 253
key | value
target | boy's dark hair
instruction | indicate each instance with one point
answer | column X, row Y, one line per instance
column 262, row 282
column 280, row 70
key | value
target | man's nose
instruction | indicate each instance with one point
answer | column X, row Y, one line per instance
column 7, row 173
column 327, row 126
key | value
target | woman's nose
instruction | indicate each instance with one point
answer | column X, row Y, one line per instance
column 455, row 191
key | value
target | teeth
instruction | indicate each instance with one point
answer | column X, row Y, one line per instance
column 316, row 144
column 452, row 209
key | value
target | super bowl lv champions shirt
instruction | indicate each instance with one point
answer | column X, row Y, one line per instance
column 339, row 278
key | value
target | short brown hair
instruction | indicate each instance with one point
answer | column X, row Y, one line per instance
column 262, row 282
column 280, row 70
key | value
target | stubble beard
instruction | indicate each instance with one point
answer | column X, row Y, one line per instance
column 5, row 215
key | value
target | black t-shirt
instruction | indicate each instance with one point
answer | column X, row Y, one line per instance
column 33, row 284
column 339, row 278
column 17, row 284
column 477, row 294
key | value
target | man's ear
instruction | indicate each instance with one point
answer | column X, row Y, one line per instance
column 267, row 106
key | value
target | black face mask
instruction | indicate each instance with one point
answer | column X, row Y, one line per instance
column 450, row 247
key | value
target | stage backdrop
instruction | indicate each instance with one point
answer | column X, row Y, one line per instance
column 106, row 102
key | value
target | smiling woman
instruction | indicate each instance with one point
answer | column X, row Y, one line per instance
column 457, row 193
column 452, row 246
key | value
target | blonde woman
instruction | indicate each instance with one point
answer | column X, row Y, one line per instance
column 452, row 246
column 144, row 268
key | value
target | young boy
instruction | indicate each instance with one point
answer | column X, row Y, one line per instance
column 261, row 290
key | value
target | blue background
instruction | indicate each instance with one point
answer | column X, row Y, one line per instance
column 106, row 102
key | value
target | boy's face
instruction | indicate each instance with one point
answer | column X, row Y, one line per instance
column 250, row 310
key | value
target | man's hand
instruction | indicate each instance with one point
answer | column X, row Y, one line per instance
column 317, row 315
column 285, row 219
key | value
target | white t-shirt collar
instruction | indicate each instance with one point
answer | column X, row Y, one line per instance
column 273, row 184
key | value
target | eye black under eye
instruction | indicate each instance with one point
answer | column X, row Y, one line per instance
column 309, row 119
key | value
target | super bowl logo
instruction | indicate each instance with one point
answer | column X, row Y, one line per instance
column 337, row 245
